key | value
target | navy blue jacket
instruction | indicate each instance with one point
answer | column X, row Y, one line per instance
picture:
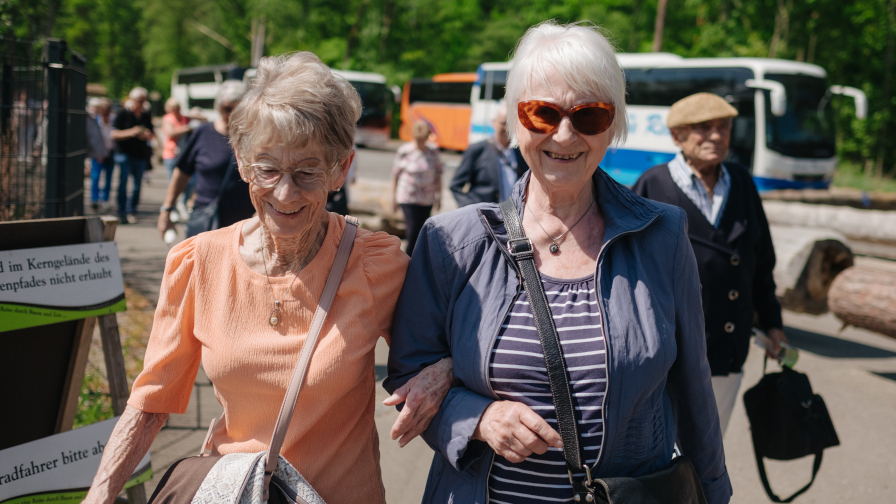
column 461, row 282
column 735, row 261
column 478, row 178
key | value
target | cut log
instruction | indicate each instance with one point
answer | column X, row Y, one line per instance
column 867, row 225
column 865, row 297
column 808, row 260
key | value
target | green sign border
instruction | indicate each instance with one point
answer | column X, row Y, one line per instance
column 14, row 316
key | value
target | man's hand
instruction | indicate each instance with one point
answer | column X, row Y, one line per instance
column 777, row 337
column 514, row 431
column 423, row 396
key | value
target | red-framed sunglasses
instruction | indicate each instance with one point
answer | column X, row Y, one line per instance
column 587, row 118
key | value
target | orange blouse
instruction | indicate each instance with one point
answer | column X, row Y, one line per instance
column 214, row 307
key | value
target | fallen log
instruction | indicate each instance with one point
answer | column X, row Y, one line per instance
column 808, row 260
column 877, row 226
column 865, row 297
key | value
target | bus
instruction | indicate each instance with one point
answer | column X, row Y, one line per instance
column 197, row 87
column 375, row 126
column 442, row 102
column 784, row 132
column 485, row 97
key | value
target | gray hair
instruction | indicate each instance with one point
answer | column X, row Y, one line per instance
column 293, row 99
column 171, row 103
column 582, row 55
column 231, row 92
column 138, row 93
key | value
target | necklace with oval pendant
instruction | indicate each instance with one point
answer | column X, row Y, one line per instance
column 274, row 320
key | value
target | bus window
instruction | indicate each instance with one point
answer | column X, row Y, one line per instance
column 665, row 86
column 425, row 90
column 196, row 78
column 375, row 104
column 806, row 130
column 493, row 89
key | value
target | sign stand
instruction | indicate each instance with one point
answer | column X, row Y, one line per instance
column 68, row 231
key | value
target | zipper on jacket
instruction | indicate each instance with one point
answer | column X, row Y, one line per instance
column 603, row 326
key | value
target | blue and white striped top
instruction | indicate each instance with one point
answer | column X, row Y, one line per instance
column 517, row 373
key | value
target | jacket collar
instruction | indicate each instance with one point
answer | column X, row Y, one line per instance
column 623, row 210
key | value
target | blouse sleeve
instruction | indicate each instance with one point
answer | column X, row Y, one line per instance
column 173, row 353
column 385, row 266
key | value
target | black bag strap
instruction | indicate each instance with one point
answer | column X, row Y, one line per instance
column 768, row 489
column 522, row 251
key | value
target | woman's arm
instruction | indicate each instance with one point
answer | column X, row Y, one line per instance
column 131, row 439
column 176, row 187
column 699, row 433
column 175, row 131
column 422, row 396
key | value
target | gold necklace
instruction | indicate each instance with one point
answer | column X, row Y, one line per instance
column 274, row 318
column 555, row 247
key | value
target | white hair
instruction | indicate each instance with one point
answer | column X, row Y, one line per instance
column 231, row 92
column 138, row 93
column 582, row 55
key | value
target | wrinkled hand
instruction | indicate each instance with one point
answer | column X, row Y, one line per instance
column 164, row 223
column 514, row 431
column 777, row 337
column 423, row 396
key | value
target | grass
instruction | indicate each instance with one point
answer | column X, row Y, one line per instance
column 853, row 176
column 134, row 326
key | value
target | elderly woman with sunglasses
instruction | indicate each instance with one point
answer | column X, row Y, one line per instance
column 241, row 299
column 621, row 284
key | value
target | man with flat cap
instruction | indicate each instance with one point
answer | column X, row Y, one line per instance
column 729, row 234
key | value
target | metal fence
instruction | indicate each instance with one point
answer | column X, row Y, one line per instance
column 43, row 91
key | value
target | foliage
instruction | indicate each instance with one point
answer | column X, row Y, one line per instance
column 144, row 41
column 853, row 176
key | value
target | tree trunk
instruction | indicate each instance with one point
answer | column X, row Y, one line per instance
column 887, row 88
column 658, row 27
column 864, row 297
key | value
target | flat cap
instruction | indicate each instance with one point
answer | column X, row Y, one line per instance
column 698, row 108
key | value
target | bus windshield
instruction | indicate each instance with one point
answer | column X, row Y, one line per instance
column 806, row 130
column 375, row 102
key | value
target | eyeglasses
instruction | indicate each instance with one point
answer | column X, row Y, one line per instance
column 587, row 118
column 306, row 179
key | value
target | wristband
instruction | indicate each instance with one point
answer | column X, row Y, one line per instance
column 166, row 208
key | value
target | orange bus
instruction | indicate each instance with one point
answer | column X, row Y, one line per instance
column 443, row 102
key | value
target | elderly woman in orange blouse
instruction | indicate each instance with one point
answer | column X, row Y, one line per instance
column 241, row 299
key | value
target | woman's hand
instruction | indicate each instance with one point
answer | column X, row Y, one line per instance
column 164, row 223
column 514, row 431
column 423, row 396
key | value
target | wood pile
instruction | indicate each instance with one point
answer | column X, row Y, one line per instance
column 808, row 260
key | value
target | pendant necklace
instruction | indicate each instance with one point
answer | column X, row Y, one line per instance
column 555, row 247
column 274, row 319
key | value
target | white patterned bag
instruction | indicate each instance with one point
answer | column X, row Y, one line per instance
column 255, row 478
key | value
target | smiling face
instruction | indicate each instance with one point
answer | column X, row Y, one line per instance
column 295, row 206
column 563, row 159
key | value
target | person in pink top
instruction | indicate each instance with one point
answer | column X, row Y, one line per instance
column 175, row 127
column 416, row 182
column 240, row 300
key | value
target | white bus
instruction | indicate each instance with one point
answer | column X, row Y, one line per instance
column 784, row 133
column 488, row 91
column 197, row 87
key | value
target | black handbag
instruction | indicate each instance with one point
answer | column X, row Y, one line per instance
column 676, row 484
column 206, row 218
column 788, row 421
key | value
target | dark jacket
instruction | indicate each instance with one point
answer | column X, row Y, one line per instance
column 735, row 262
column 479, row 168
column 460, row 284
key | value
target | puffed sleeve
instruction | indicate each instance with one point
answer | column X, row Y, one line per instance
column 173, row 353
column 385, row 266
